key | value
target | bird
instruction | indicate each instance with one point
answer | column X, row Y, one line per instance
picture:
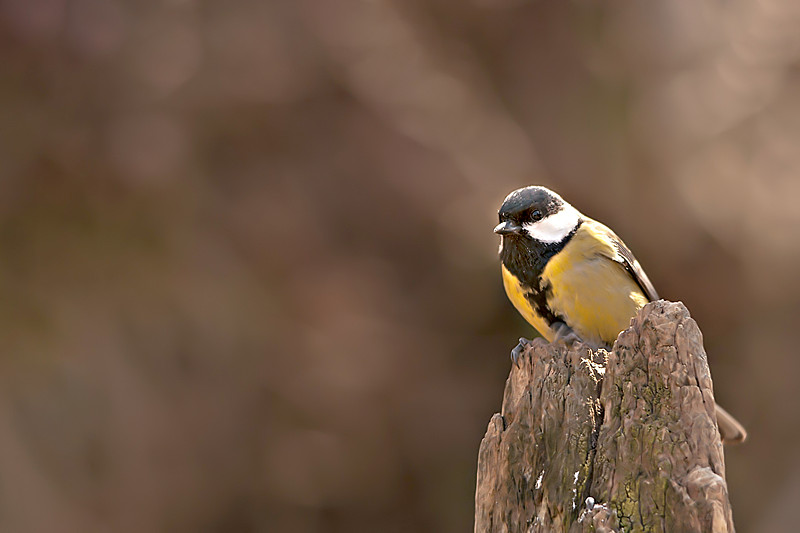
column 572, row 278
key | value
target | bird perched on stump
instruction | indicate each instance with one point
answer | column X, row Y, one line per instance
column 572, row 278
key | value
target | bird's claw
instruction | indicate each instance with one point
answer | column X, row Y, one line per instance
column 518, row 349
column 564, row 333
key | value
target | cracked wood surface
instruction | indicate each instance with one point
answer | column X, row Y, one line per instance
column 608, row 441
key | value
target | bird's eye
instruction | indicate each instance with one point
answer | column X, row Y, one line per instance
column 536, row 215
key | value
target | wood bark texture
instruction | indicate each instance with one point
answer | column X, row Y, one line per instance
column 608, row 441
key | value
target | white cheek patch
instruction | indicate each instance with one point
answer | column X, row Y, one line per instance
column 554, row 227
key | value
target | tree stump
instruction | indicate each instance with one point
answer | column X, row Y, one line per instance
column 608, row 441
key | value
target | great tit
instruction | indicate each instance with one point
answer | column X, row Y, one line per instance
column 572, row 278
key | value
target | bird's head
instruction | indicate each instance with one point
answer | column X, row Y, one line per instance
column 536, row 213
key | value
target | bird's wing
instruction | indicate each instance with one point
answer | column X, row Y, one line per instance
column 620, row 253
column 625, row 256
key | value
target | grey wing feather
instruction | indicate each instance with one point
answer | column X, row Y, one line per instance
column 634, row 268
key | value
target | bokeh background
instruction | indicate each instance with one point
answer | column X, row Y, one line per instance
column 247, row 275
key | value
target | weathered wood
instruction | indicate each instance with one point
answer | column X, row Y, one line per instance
column 608, row 441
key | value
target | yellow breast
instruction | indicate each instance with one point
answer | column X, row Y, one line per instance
column 516, row 293
column 594, row 294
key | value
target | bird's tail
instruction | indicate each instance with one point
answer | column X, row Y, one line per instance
column 731, row 431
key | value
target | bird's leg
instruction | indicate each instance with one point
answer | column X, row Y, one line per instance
column 565, row 333
column 518, row 349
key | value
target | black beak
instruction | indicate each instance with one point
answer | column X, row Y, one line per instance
column 508, row 228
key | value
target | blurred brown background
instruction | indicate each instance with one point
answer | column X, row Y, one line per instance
column 248, row 275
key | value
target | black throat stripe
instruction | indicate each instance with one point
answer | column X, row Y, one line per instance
column 526, row 258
